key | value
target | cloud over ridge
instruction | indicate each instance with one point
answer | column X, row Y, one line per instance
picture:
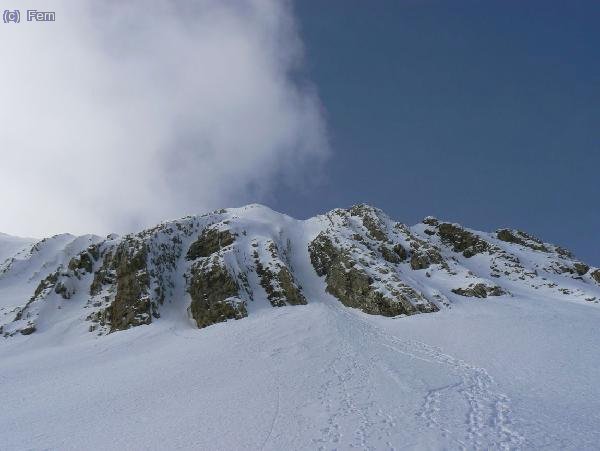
column 118, row 115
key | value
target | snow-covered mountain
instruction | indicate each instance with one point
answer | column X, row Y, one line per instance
column 230, row 263
column 10, row 245
column 355, row 332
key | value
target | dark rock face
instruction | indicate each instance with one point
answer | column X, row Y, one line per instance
column 563, row 252
column 430, row 220
column 421, row 260
column 391, row 256
column 84, row 262
column 291, row 292
column 462, row 240
column 522, row 238
column 209, row 242
column 276, row 278
column 576, row 268
column 323, row 254
column 212, row 289
column 62, row 290
column 423, row 256
column 46, row 283
column 509, row 237
column 400, row 252
column 581, row 268
column 596, row 275
column 479, row 290
column 131, row 306
column 280, row 287
column 353, row 287
column 103, row 276
column 28, row 330
column 370, row 221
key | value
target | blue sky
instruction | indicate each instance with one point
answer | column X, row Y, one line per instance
column 479, row 112
column 483, row 113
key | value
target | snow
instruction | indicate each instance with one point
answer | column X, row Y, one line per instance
column 10, row 245
column 508, row 372
column 485, row 374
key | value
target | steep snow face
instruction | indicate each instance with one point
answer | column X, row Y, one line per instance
column 28, row 273
column 231, row 263
column 10, row 245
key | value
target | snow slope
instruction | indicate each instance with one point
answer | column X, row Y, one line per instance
column 515, row 371
column 10, row 245
column 521, row 373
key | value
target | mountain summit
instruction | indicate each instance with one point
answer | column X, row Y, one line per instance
column 230, row 263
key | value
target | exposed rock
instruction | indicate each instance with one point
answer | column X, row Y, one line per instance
column 423, row 255
column 210, row 241
column 430, row 220
column 323, row 254
column 479, row 290
column 214, row 296
column 370, row 221
column 280, row 286
column 105, row 275
column 522, row 238
column 364, row 256
column 291, row 292
column 390, row 255
column 46, row 283
column 563, row 252
column 581, row 268
column 29, row 329
column 131, row 305
column 559, row 267
column 62, row 290
column 419, row 261
column 400, row 251
column 355, row 288
column 94, row 251
column 462, row 240
column 82, row 263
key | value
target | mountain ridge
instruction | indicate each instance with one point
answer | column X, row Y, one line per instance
column 230, row 263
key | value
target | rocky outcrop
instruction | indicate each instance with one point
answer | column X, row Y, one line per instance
column 581, row 268
column 479, row 290
column 462, row 240
column 354, row 287
column 210, row 241
column 423, row 255
column 223, row 264
column 280, row 286
column 275, row 277
column 131, row 305
column 214, row 295
column 397, row 254
column 370, row 220
column 523, row 239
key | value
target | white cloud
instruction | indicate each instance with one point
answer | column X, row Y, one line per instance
column 119, row 115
